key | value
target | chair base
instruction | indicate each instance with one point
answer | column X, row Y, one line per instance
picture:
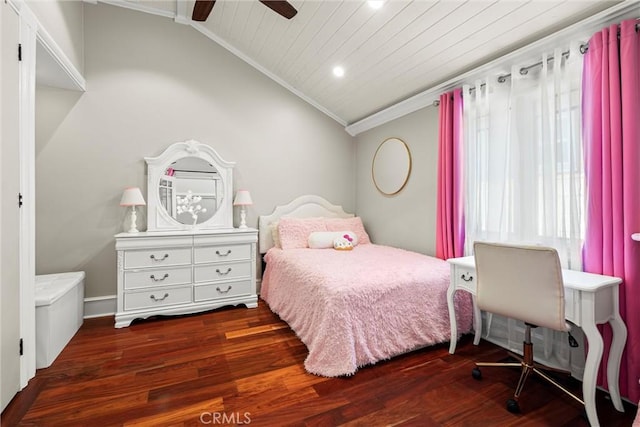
column 527, row 366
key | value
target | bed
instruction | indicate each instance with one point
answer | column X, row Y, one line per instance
column 351, row 308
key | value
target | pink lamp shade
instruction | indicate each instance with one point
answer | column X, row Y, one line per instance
column 243, row 198
column 132, row 196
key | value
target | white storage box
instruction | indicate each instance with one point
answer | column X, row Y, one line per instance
column 59, row 313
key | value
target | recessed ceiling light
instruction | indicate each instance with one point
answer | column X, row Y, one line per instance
column 376, row 4
column 338, row 71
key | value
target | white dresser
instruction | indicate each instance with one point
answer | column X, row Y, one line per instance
column 179, row 272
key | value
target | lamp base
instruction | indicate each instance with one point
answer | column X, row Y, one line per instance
column 133, row 228
column 243, row 218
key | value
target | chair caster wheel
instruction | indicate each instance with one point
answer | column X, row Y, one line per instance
column 513, row 407
column 476, row 374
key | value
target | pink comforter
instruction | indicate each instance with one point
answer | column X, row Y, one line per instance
column 354, row 308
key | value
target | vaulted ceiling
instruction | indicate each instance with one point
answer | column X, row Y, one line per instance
column 388, row 54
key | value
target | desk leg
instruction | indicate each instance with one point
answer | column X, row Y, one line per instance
column 451, row 291
column 594, row 356
column 477, row 321
column 615, row 356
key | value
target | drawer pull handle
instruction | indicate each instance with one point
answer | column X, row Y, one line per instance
column 219, row 254
column 466, row 277
column 223, row 273
column 160, row 279
column 223, row 292
column 153, row 257
column 153, row 298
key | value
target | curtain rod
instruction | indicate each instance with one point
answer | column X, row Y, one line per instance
column 584, row 47
column 524, row 70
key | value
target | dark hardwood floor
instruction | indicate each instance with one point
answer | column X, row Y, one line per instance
column 240, row 366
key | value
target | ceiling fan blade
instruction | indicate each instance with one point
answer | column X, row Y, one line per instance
column 202, row 9
column 283, row 8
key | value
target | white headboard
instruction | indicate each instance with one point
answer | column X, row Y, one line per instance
column 308, row 206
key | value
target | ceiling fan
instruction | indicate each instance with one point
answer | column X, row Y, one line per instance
column 202, row 9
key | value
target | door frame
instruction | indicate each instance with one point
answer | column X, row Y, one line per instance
column 11, row 360
column 27, row 96
column 32, row 34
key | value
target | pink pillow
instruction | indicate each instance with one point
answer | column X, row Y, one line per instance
column 354, row 224
column 294, row 232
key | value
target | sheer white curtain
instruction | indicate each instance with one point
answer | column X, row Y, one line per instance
column 524, row 175
column 523, row 157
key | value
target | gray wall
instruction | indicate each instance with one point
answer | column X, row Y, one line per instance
column 152, row 82
column 407, row 219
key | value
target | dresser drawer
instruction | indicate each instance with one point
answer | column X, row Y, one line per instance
column 157, row 298
column 222, row 253
column 150, row 277
column 161, row 257
column 222, row 271
column 222, row 290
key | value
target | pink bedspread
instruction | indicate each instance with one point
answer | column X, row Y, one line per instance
column 354, row 308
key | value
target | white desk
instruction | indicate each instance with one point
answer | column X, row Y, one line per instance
column 590, row 299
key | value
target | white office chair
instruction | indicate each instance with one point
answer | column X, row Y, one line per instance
column 524, row 283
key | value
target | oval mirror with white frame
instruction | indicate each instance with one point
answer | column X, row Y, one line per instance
column 391, row 166
column 189, row 186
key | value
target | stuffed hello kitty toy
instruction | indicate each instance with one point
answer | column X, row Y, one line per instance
column 343, row 243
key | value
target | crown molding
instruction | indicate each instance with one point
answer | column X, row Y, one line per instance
column 140, row 7
column 202, row 29
column 182, row 13
column 182, row 17
column 75, row 80
column 582, row 29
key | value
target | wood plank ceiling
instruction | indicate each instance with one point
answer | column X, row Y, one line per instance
column 388, row 54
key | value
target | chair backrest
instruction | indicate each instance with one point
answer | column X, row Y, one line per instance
column 521, row 282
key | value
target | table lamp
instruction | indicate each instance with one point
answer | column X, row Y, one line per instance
column 243, row 198
column 132, row 196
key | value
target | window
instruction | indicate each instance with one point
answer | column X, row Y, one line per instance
column 523, row 158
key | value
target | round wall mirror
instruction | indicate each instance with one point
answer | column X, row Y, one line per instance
column 391, row 166
column 190, row 190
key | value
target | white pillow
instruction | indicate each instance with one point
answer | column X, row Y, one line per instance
column 324, row 239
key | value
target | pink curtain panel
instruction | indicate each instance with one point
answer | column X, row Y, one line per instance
column 611, row 132
column 450, row 215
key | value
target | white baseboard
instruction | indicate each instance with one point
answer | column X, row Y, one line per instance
column 100, row 306
column 107, row 305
